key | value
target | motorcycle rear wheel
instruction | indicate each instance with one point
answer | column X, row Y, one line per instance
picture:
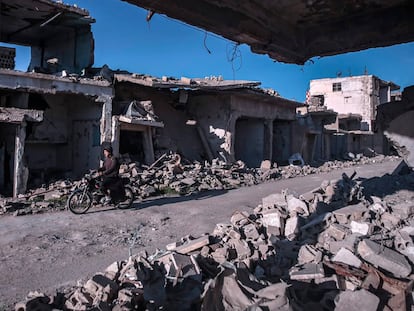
column 129, row 199
column 79, row 202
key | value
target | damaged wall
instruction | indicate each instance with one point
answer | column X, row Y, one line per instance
column 282, row 141
column 176, row 135
column 68, row 139
column 222, row 116
column 74, row 50
column 213, row 115
column 357, row 95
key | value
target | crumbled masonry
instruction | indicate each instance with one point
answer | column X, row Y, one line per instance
column 172, row 175
column 337, row 247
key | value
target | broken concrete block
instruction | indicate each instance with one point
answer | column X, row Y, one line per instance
column 403, row 242
column 389, row 220
column 347, row 257
column 337, row 231
column 274, row 200
column 239, row 219
column 308, row 254
column 250, row 232
column 188, row 181
column 329, row 194
column 273, row 219
column 356, row 301
column 242, row 248
column 220, row 255
column 78, row 300
column 307, row 271
column 234, row 234
column 351, row 212
column 101, row 287
column 296, row 206
column 221, row 229
column 403, row 210
column 183, row 266
column 193, row 245
column 384, row 258
column 317, row 224
column 292, row 227
column 348, row 243
column 266, row 165
column 362, row 228
column 113, row 270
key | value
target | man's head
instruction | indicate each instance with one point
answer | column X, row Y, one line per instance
column 107, row 151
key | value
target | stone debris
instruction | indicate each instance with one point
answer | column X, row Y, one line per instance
column 171, row 174
column 332, row 251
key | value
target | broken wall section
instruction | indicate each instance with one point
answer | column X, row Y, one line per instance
column 70, row 131
column 176, row 135
column 71, row 51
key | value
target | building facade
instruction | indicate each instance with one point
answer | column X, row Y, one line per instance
column 356, row 95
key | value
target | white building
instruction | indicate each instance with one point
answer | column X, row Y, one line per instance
column 353, row 95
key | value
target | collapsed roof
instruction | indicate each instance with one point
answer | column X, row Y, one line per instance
column 294, row 31
column 29, row 22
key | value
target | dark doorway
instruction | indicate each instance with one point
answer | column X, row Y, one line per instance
column 132, row 143
column 281, row 142
column 250, row 141
column 7, row 141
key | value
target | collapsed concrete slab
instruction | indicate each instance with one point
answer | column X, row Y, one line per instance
column 384, row 258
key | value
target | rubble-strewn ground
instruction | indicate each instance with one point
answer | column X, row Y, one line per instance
column 44, row 252
column 172, row 175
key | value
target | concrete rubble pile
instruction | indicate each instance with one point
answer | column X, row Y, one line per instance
column 334, row 248
column 172, row 174
column 45, row 198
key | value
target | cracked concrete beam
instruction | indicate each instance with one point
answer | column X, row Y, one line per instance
column 17, row 115
column 49, row 84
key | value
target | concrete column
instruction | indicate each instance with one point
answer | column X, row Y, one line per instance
column 327, row 138
column 268, row 140
column 106, row 118
column 116, row 135
column 232, row 136
column 21, row 172
column 2, row 165
column 148, row 146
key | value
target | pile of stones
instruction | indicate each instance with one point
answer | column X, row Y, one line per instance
column 336, row 247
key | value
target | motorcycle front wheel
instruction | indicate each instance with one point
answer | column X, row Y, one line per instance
column 128, row 199
column 79, row 201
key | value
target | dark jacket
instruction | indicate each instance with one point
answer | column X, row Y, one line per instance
column 110, row 167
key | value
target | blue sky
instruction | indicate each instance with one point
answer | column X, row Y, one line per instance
column 165, row 47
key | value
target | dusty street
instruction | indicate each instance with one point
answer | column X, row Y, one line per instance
column 43, row 252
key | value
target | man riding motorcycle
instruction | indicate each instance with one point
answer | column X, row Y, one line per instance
column 110, row 173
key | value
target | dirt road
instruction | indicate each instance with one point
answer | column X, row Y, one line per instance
column 45, row 252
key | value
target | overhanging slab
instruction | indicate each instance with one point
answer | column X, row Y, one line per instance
column 294, row 31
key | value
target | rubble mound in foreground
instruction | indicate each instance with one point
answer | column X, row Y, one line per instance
column 172, row 175
column 334, row 248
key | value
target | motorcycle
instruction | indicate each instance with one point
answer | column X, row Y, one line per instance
column 89, row 193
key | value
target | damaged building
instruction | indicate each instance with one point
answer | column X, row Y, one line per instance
column 52, row 121
column 296, row 31
column 55, row 117
column 213, row 118
column 355, row 99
